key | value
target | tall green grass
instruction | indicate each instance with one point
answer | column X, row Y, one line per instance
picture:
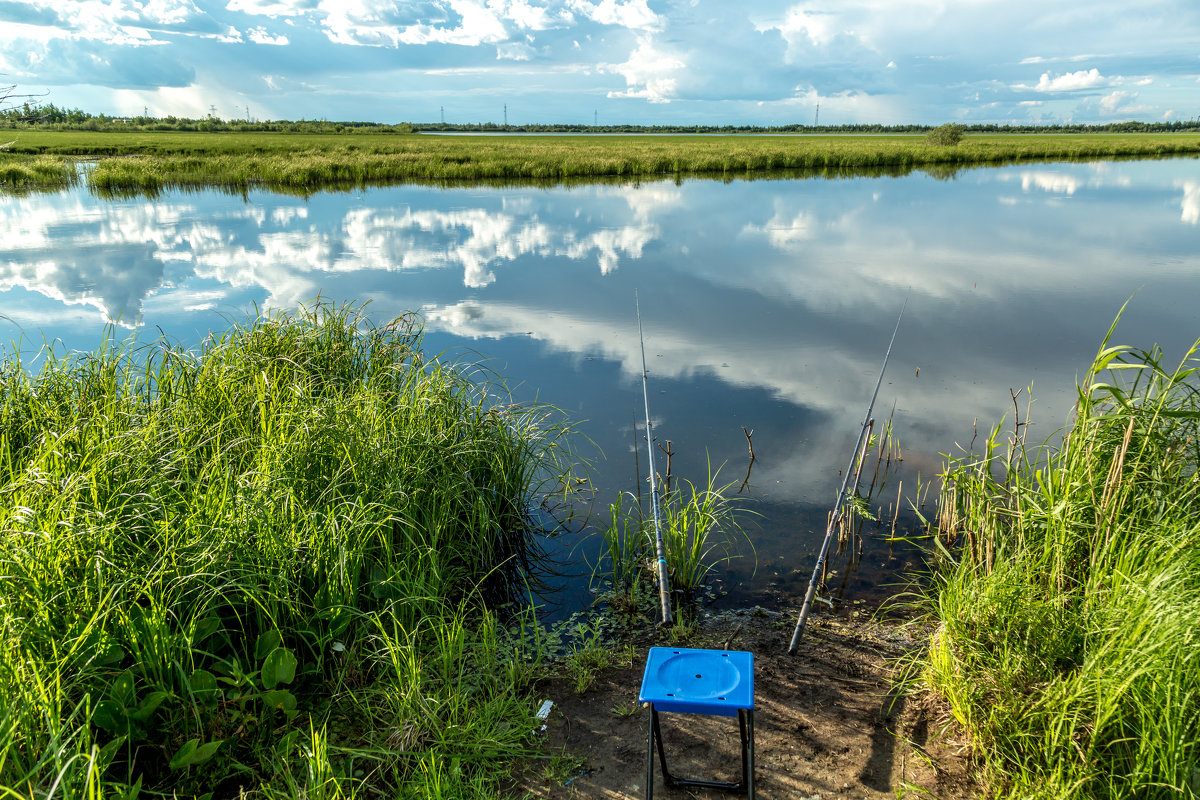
column 307, row 162
column 262, row 566
column 21, row 173
column 1068, row 643
column 698, row 524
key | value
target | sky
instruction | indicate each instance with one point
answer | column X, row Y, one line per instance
column 754, row 62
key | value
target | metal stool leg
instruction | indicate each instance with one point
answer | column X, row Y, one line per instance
column 745, row 729
column 748, row 754
column 650, row 754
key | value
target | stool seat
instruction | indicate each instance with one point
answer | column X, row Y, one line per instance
column 693, row 681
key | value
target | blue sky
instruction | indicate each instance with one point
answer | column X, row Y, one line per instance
column 613, row 61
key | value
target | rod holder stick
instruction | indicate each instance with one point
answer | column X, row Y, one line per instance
column 835, row 517
column 664, row 579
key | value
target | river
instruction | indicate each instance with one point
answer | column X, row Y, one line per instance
column 767, row 306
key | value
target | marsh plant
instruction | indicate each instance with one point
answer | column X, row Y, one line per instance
column 1068, row 605
column 699, row 525
column 263, row 566
column 306, row 162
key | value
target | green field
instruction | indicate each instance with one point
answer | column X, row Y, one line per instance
column 145, row 162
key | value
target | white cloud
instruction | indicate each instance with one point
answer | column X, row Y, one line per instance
column 632, row 14
column 514, row 51
column 817, row 27
column 1071, row 81
column 648, row 73
column 757, row 61
column 530, row 17
column 1056, row 59
column 377, row 23
column 1110, row 103
column 270, row 8
column 261, row 36
column 170, row 12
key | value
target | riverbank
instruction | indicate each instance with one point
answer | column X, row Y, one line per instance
column 1068, row 602
column 835, row 720
column 147, row 162
column 266, row 568
column 1050, row 652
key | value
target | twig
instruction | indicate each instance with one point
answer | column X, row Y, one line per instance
column 667, row 482
column 749, row 466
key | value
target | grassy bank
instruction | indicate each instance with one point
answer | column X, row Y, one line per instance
column 150, row 161
column 261, row 567
column 1069, row 637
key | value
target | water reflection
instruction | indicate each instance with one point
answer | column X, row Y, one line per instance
column 767, row 304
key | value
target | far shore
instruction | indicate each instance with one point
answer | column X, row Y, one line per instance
column 147, row 162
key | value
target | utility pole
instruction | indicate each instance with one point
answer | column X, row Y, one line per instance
column 817, row 116
column 443, row 115
column 595, row 119
column 506, row 115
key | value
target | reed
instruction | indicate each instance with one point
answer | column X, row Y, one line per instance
column 263, row 566
column 308, row 162
column 699, row 525
column 1068, row 613
column 19, row 174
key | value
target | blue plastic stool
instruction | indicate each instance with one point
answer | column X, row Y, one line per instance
column 688, row 681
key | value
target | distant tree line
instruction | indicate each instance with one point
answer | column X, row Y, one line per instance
column 50, row 117
column 1111, row 127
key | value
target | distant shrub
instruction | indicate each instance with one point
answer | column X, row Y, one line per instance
column 949, row 134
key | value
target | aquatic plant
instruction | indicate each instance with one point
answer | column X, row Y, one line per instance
column 698, row 527
column 19, row 174
column 264, row 565
column 1068, row 606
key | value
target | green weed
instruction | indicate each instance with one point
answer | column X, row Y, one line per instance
column 1069, row 601
column 263, row 566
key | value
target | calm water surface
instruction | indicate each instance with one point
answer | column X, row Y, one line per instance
column 766, row 304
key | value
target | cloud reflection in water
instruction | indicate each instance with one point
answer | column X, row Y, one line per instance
column 767, row 303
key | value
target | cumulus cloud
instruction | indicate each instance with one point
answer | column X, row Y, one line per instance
column 1110, row 103
column 650, row 73
column 817, row 27
column 1071, row 81
column 461, row 22
column 632, row 14
column 757, row 61
column 261, row 36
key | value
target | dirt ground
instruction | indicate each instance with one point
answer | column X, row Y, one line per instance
column 829, row 721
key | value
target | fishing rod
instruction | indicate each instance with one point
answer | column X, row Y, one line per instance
column 836, row 516
column 664, row 580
